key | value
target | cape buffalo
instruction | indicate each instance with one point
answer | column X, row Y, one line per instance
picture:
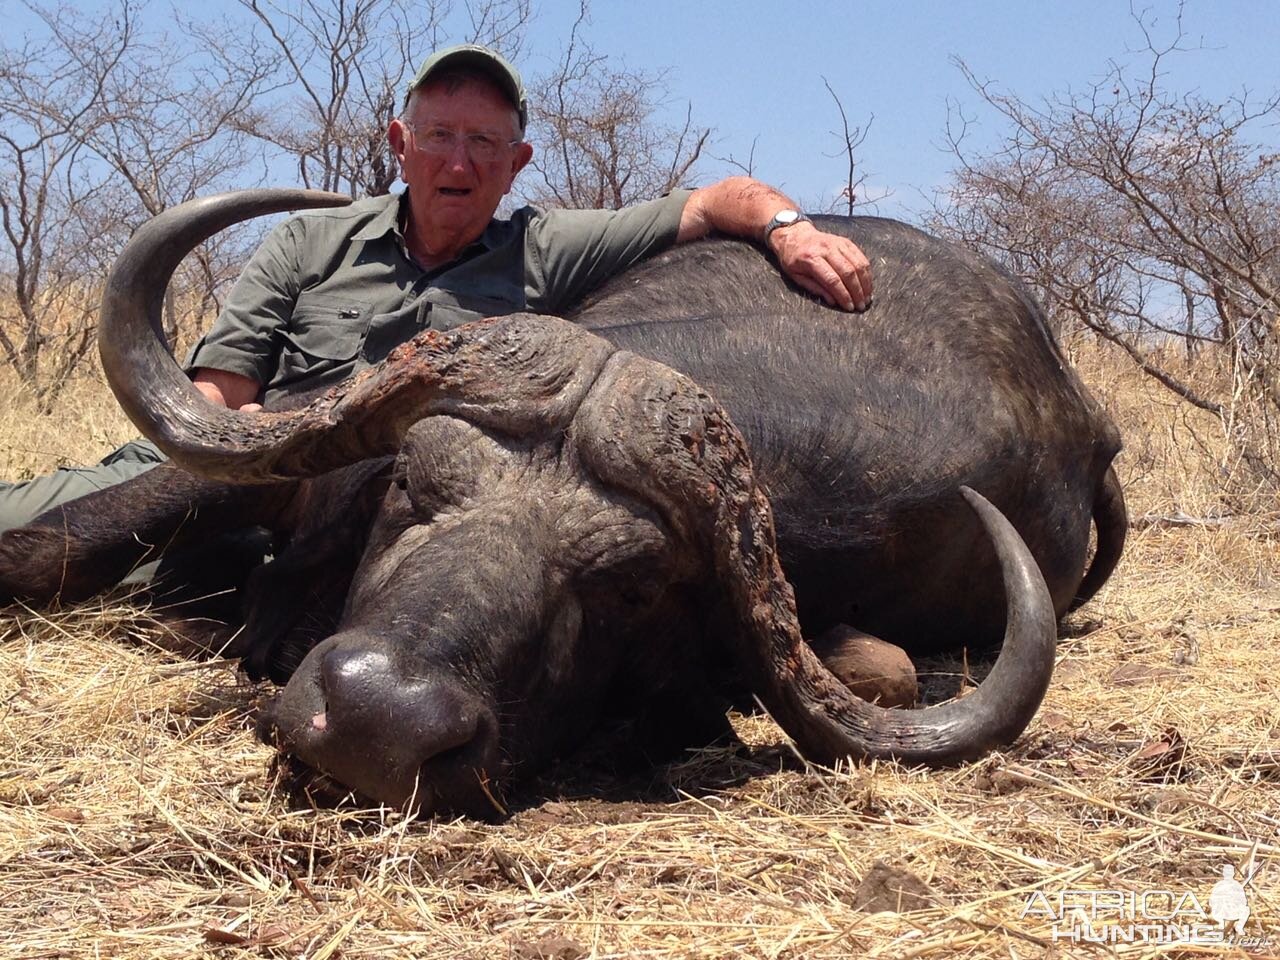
column 537, row 522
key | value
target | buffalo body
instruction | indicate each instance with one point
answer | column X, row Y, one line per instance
column 513, row 530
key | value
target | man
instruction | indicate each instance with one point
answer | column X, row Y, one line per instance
column 332, row 291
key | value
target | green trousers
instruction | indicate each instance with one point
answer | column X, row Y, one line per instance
column 20, row 503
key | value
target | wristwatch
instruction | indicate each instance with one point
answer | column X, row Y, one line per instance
column 783, row 218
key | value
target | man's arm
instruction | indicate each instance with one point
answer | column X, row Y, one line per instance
column 570, row 252
column 828, row 266
column 234, row 359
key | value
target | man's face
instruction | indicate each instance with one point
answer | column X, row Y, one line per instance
column 454, row 194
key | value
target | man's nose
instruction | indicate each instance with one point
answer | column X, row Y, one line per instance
column 458, row 157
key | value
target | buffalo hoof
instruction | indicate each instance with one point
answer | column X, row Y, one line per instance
column 874, row 670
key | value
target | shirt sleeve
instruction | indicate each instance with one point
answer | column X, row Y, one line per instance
column 570, row 252
column 245, row 337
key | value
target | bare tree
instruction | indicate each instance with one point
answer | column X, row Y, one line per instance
column 499, row 24
column 105, row 126
column 746, row 167
column 166, row 133
column 51, row 94
column 1144, row 217
column 344, row 67
column 851, row 138
column 598, row 142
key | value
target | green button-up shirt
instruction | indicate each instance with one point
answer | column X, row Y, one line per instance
column 331, row 291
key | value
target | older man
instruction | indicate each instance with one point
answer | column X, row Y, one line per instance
column 332, row 291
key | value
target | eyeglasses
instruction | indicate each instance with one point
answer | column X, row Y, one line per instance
column 441, row 141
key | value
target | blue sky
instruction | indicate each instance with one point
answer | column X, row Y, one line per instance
column 755, row 67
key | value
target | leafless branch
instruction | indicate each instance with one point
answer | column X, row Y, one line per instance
column 1142, row 215
column 598, row 140
column 850, row 139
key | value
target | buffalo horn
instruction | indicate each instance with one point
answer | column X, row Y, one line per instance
column 520, row 374
column 659, row 435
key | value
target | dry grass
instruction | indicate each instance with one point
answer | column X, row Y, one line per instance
column 86, row 426
column 139, row 817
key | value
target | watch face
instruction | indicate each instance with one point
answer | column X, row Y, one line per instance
column 783, row 217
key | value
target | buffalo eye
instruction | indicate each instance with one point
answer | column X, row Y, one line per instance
column 444, row 460
column 626, row 552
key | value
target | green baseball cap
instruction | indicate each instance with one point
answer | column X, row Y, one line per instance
column 472, row 56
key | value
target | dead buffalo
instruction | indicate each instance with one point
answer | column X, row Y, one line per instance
column 523, row 525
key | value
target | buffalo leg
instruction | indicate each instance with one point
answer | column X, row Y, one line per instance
column 293, row 603
column 297, row 599
column 1111, row 520
column 91, row 543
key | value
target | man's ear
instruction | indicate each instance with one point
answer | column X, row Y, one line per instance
column 396, row 133
column 522, row 155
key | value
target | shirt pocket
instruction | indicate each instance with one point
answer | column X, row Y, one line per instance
column 451, row 308
column 322, row 337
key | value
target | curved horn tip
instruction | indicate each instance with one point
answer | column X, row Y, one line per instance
column 991, row 516
column 981, row 505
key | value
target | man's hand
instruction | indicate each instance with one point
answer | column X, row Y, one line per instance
column 228, row 389
column 826, row 265
column 831, row 267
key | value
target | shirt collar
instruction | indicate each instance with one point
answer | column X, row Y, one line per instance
column 388, row 220
column 496, row 234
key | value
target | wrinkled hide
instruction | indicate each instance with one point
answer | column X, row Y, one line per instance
column 508, row 553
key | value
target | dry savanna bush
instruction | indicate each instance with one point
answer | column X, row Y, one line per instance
column 1179, row 458
column 140, row 818
column 69, row 418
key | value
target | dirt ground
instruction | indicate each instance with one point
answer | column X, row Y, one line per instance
column 139, row 817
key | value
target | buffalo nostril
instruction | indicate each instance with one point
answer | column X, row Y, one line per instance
column 365, row 692
column 355, row 679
